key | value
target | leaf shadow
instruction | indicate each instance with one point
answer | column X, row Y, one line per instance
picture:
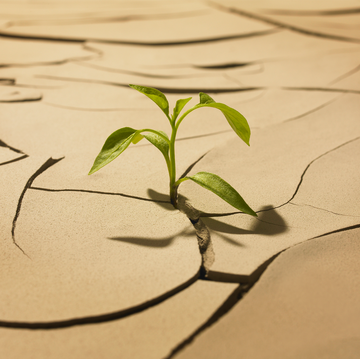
column 163, row 200
column 154, row 243
column 268, row 223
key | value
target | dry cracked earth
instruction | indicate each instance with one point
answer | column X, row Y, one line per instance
column 103, row 266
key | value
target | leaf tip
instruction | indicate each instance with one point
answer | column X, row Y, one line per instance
column 93, row 169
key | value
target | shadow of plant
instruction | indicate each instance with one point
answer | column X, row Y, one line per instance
column 163, row 200
column 154, row 243
column 268, row 223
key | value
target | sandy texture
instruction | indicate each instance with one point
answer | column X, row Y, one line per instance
column 305, row 305
column 149, row 334
column 104, row 265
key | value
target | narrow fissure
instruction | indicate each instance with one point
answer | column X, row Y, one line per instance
column 98, row 192
column 203, row 214
column 165, row 90
column 324, row 89
column 3, row 144
column 44, row 167
column 136, row 43
column 14, row 160
column 269, row 21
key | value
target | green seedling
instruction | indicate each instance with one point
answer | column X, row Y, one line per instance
column 120, row 140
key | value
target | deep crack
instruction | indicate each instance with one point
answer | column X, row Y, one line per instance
column 101, row 318
column 220, row 312
column 202, row 234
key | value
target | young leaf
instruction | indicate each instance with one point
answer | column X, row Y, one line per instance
column 205, row 98
column 158, row 142
column 179, row 106
column 236, row 120
column 115, row 144
column 221, row 188
column 157, row 96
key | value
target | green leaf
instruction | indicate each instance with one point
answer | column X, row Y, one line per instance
column 137, row 138
column 158, row 142
column 157, row 96
column 221, row 188
column 179, row 106
column 115, row 144
column 236, row 120
column 205, row 98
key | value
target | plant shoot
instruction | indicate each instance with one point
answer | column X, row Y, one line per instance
column 120, row 140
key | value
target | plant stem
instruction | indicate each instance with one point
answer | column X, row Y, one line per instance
column 172, row 172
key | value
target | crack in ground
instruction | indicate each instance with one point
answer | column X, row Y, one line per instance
column 204, row 241
column 97, row 54
column 137, row 43
column 345, row 75
column 280, row 24
column 312, row 110
column 7, row 81
column 23, row 97
column 314, row 12
column 143, row 74
column 126, row 18
column 162, row 89
column 230, row 302
column 24, row 155
column 3, row 144
column 344, row 229
column 239, row 293
column 50, row 63
column 204, row 214
column 229, row 65
column 314, row 160
column 101, row 318
column 234, row 298
column 325, row 89
column 50, row 162
column 322, row 209
column 98, row 192
column 202, row 234
column 14, row 160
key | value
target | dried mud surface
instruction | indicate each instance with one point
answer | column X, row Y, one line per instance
column 103, row 265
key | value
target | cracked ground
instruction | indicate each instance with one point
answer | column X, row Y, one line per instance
column 103, row 266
